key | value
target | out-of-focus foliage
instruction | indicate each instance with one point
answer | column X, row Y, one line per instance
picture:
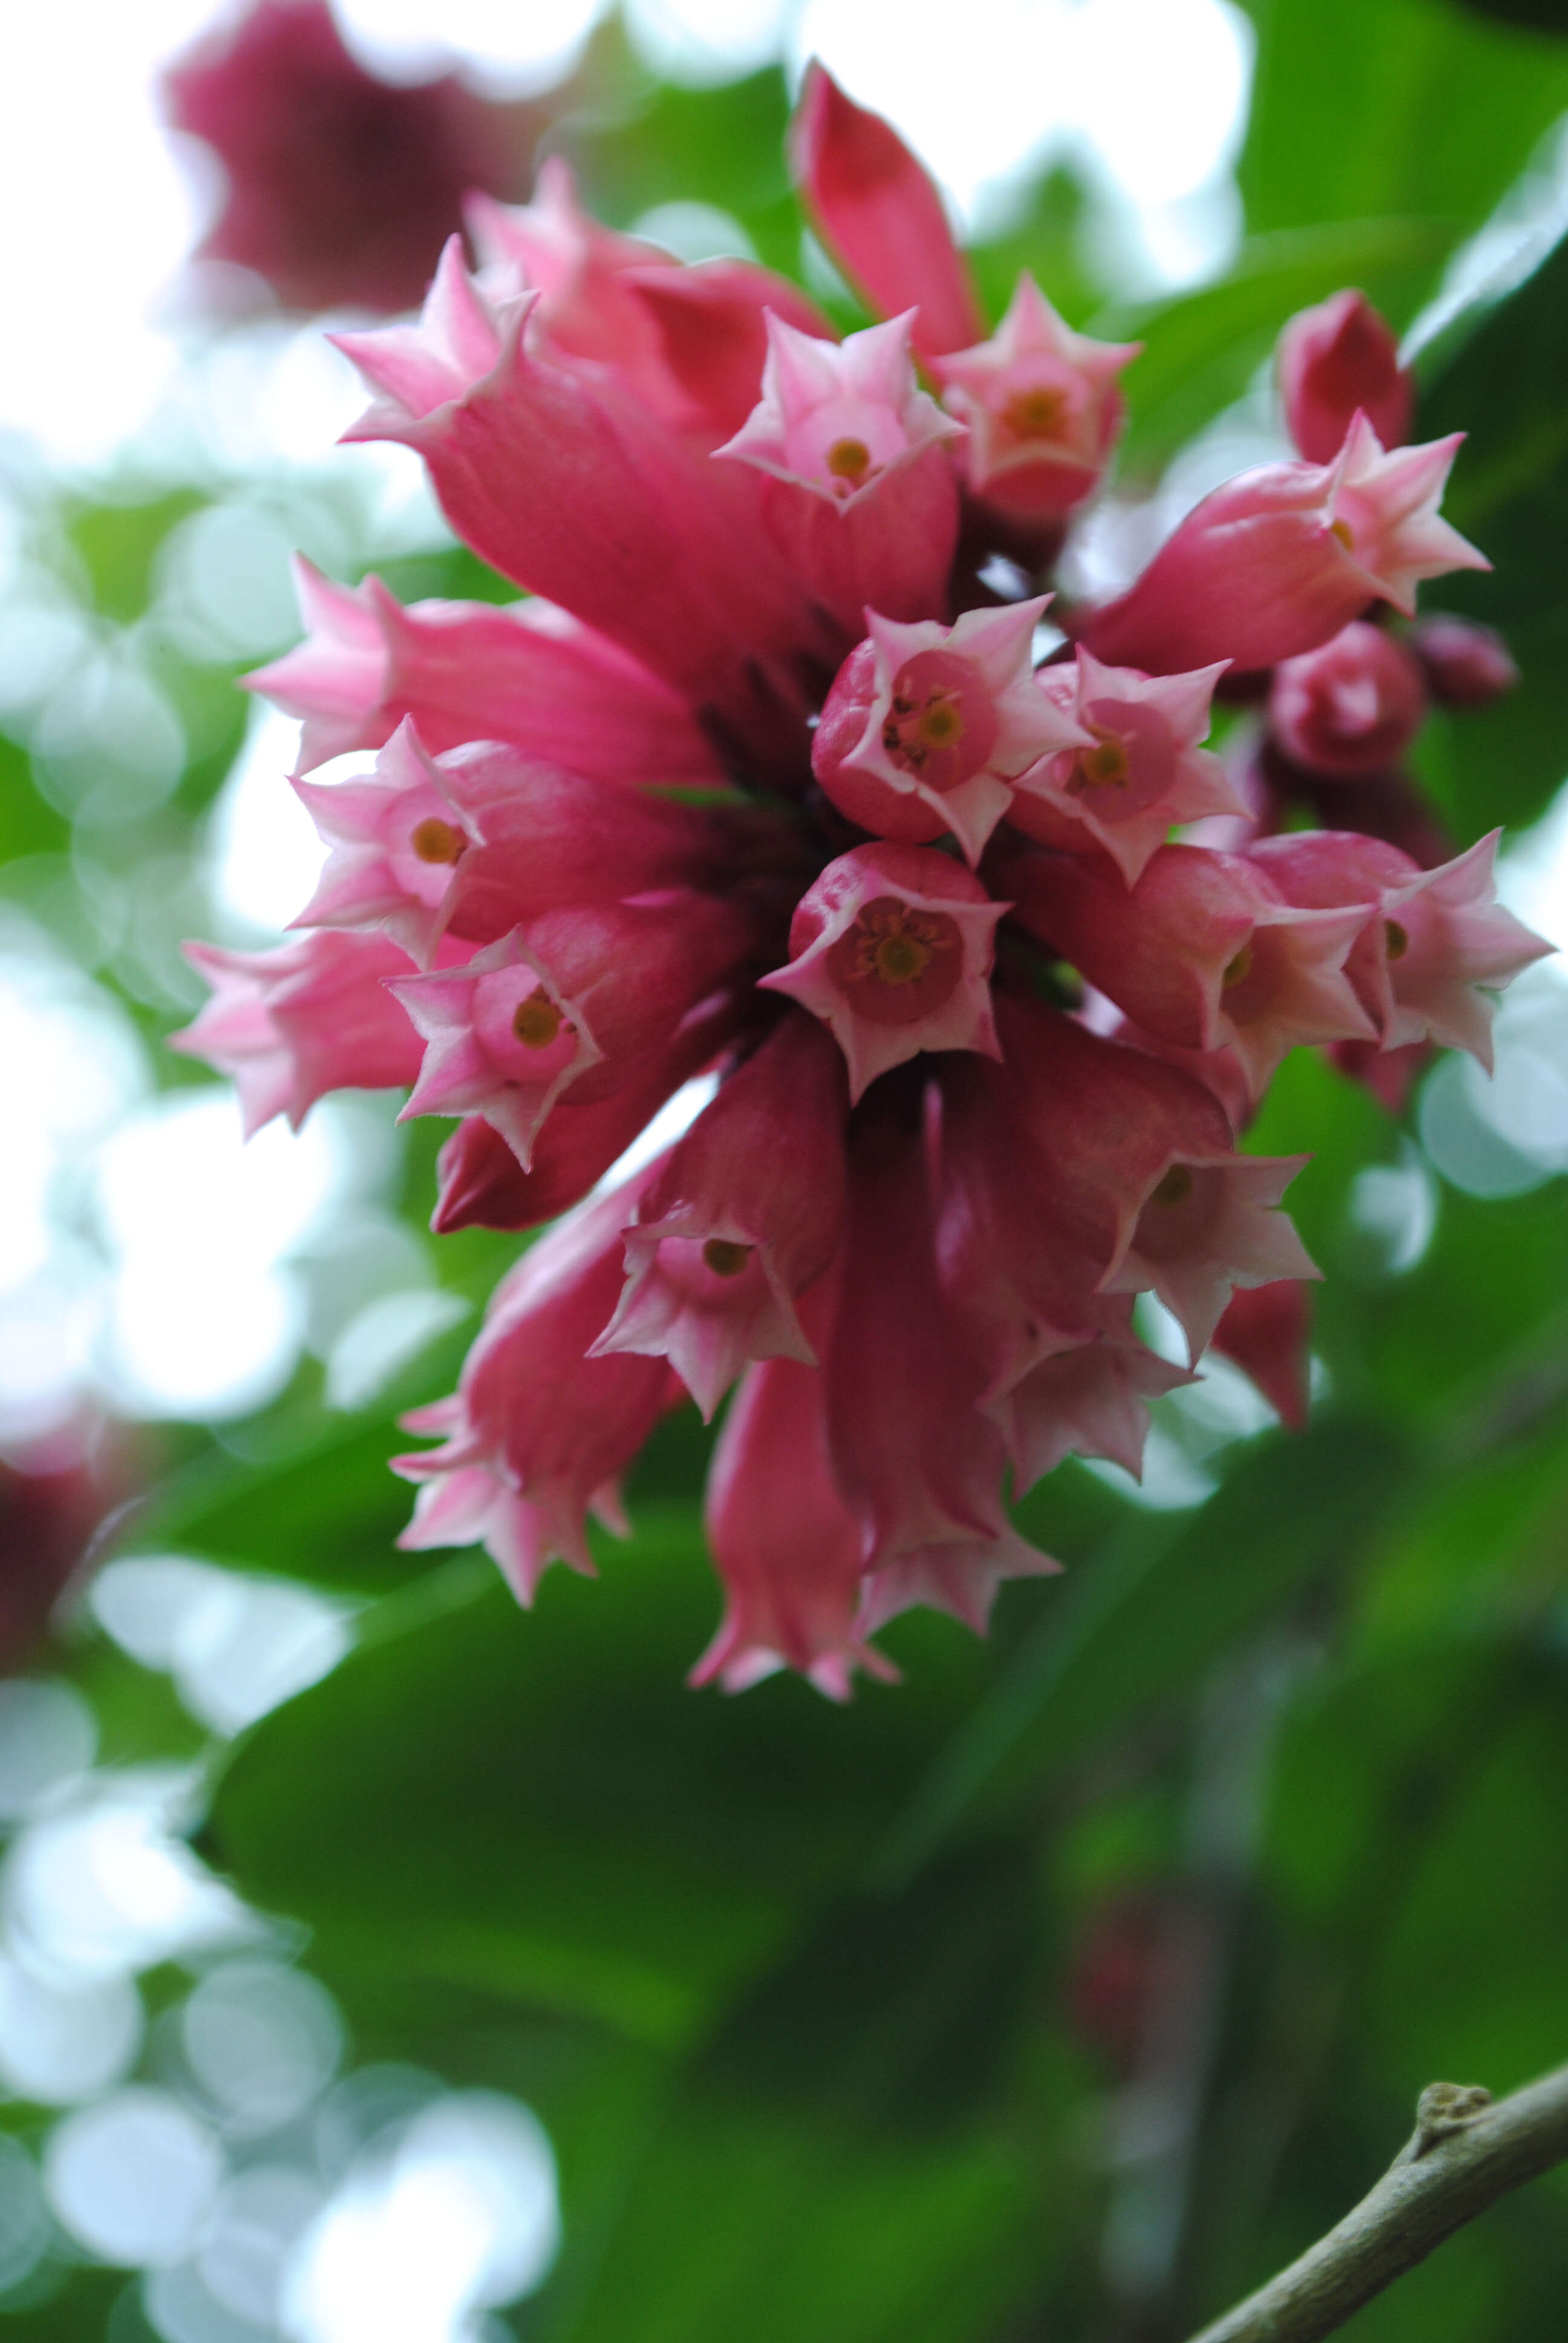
column 863, row 2024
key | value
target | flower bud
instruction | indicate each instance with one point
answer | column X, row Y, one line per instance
column 1332, row 360
column 1466, row 664
column 1353, row 707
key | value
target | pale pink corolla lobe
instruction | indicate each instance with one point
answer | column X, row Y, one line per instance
column 892, row 949
column 290, row 1024
column 927, row 728
column 1042, row 405
column 983, row 968
column 745, row 1216
column 1139, row 768
column 537, row 1435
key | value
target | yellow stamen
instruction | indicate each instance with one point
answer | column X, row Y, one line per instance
column 849, row 459
column 1037, row 414
column 1340, row 529
column 724, row 1257
column 435, row 840
column 537, row 1021
column 1239, row 970
column 1103, row 767
column 1175, row 1188
column 1396, row 939
column 912, row 730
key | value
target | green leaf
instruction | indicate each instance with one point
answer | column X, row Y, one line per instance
column 536, row 1807
column 1407, row 108
column 857, row 2104
column 1202, row 350
column 1140, row 1626
column 1502, row 385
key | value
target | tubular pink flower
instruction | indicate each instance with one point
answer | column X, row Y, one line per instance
column 1090, row 1401
column 784, row 1543
column 927, row 727
column 1353, row 707
column 396, row 838
column 892, row 949
column 550, row 245
column 1207, row 1228
column 543, row 837
column 1042, row 406
column 879, row 214
column 1435, row 945
column 1334, row 360
column 481, row 1182
column 1282, row 557
column 1138, row 770
column 539, row 1433
column 528, row 674
column 746, row 1215
column 918, row 1463
column 1202, row 952
column 860, row 497
column 1267, row 1332
column 576, row 998
column 290, row 1024
column 711, row 321
column 573, row 488
column 1140, row 1158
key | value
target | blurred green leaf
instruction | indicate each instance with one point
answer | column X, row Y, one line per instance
column 909, row 2193
column 1139, row 1626
column 1502, row 385
column 1202, row 350
column 1409, row 108
column 536, row 1806
column 118, row 545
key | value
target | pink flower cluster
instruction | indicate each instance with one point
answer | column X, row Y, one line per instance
column 763, row 784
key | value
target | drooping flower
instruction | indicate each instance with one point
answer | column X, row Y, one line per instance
column 927, row 728
column 892, row 949
column 539, row 1433
column 624, row 832
column 1138, row 770
column 745, row 1216
column 1042, row 406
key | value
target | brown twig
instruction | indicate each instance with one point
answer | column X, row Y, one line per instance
column 1466, row 2151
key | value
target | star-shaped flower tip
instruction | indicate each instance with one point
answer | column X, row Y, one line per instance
column 1042, row 405
column 836, row 417
column 892, row 949
column 1382, row 505
column 927, row 727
